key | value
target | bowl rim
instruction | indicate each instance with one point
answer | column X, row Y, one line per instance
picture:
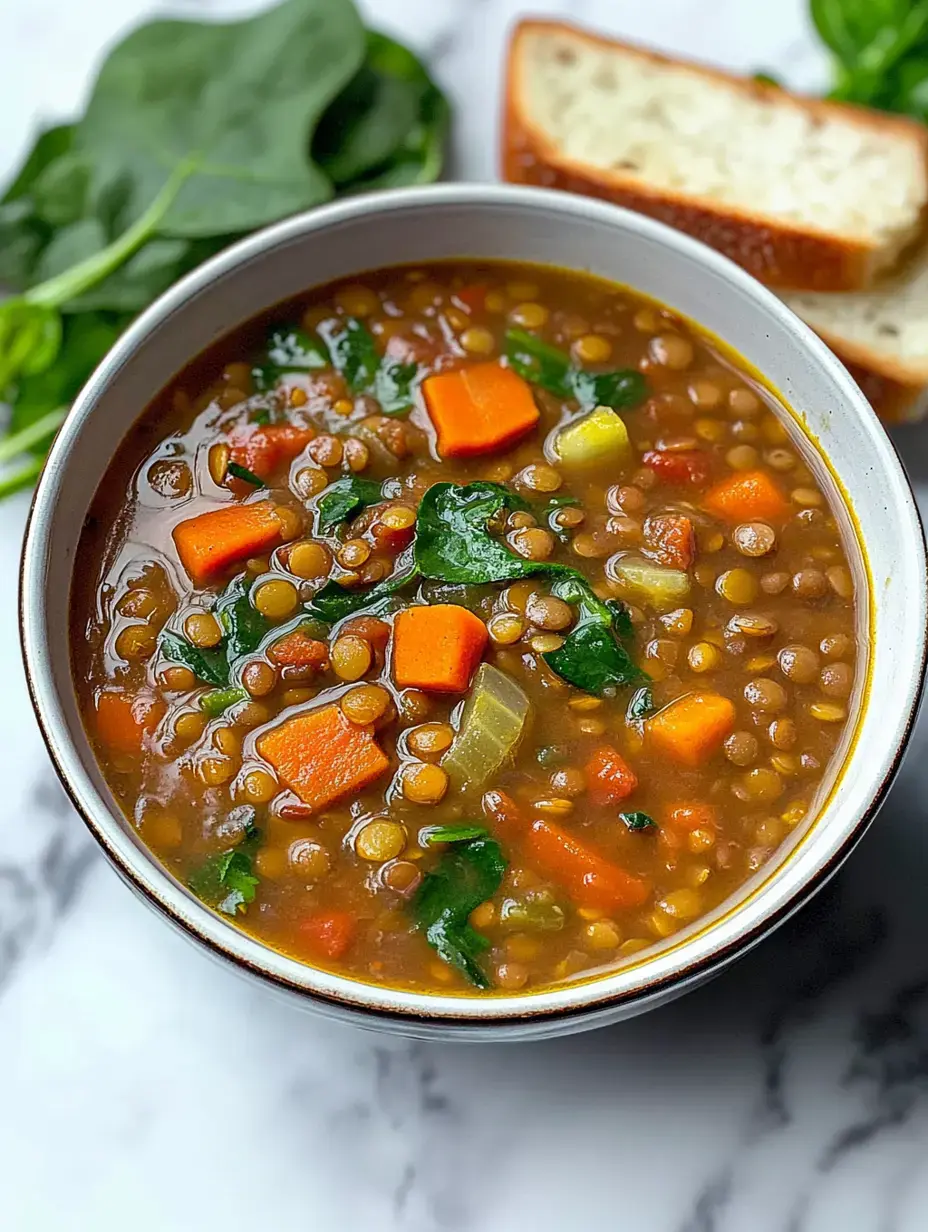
column 675, row 967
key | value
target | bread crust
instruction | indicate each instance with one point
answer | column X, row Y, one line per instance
column 777, row 253
column 896, row 395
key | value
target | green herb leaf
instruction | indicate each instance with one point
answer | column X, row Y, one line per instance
column 354, row 354
column 289, row 350
column 591, row 657
column 227, row 881
column 242, row 472
column 467, row 874
column 244, row 626
column 345, row 498
column 452, row 834
column 640, row 705
column 453, row 543
column 638, row 821
column 333, row 602
column 544, row 365
column 219, row 700
column 621, row 618
column 209, row 665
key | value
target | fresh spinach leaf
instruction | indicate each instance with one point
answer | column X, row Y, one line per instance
column 452, row 834
column 453, row 542
column 219, row 700
column 237, row 471
column 621, row 618
column 333, row 602
column 354, row 354
column 289, row 350
column 466, row 875
column 227, row 881
column 640, row 705
column 545, row 365
column 591, row 657
column 209, row 665
column 638, row 821
column 345, row 498
column 243, row 97
column 243, row 625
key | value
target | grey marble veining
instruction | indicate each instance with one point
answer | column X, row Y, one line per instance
column 146, row 1087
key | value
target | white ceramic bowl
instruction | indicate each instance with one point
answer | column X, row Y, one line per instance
column 487, row 221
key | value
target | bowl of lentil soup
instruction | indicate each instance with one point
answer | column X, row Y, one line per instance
column 465, row 641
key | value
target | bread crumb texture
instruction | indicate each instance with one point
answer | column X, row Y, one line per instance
column 682, row 130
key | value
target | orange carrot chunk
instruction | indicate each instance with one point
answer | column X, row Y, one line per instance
column 479, row 409
column 609, row 778
column 692, row 728
column 269, row 447
column 437, row 648
column 591, row 880
column 322, row 756
column 125, row 719
column 745, row 496
column 329, row 933
column 210, row 542
column 693, row 815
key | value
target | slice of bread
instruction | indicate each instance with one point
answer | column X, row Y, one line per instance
column 802, row 193
column 882, row 336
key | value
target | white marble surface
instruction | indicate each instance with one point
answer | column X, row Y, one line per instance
column 145, row 1088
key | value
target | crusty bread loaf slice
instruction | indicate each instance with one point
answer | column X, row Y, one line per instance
column 802, row 193
column 882, row 336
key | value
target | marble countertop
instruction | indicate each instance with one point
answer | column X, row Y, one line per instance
column 144, row 1087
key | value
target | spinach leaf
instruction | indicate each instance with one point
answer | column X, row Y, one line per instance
column 289, row 350
column 219, row 700
column 452, row 834
column 638, row 821
column 243, row 625
column 621, row 618
column 344, row 498
column 237, row 471
column 209, row 665
column 354, row 354
column 333, row 602
column 227, row 881
column 453, row 543
column 591, row 657
column 243, row 97
column 468, row 874
column 545, row 365
column 640, row 705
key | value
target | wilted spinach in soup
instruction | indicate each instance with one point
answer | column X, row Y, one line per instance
column 470, row 627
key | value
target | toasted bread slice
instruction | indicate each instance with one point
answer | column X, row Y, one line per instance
column 882, row 336
column 802, row 193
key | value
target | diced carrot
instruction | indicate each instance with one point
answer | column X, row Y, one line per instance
column 298, row 649
column 504, row 813
column 437, row 648
column 210, row 542
column 679, row 467
column 693, row 815
column 609, row 778
column 747, row 495
column 692, row 728
column 322, row 756
column 329, row 933
column 269, row 446
column 670, row 540
column 479, row 409
column 472, row 298
column 125, row 719
column 590, row 879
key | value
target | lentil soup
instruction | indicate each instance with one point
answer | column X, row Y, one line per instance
column 465, row 628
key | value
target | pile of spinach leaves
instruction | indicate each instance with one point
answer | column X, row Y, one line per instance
column 880, row 50
column 195, row 134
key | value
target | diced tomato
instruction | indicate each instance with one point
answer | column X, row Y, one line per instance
column 330, row 933
column 692, row 816
column 670, row 540
column 298, row 649
column 609, row 778
column 679, row 467
column 267, row 448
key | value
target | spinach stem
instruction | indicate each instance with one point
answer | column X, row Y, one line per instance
column 34, row 434
column 88, row 273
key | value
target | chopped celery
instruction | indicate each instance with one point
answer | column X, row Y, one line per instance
column 535, row 910
column 654, row 585
column 598, row 437
column 494, row 719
